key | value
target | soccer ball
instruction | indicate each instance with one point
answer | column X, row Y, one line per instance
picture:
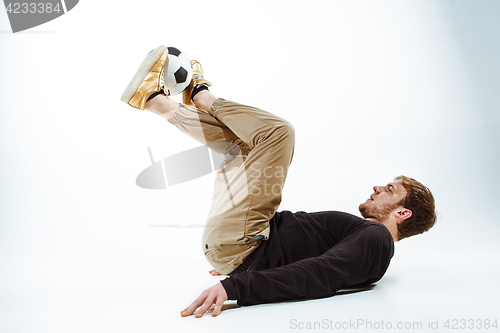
column 178, row 73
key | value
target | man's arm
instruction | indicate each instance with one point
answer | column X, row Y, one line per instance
column 360, row 258
column 307, row 278
column 353, row 261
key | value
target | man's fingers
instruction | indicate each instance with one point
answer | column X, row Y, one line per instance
column 186, row 312
column 193, row 306
column 215, row 294
column 203, row 302
column 218, row 306
column 206, row 305
column 214, row 272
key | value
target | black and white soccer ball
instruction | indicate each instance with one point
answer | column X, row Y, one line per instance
column 178, row 73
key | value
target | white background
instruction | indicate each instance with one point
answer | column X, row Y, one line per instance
column 374, row 89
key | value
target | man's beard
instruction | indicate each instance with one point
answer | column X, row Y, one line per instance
column 379, row 213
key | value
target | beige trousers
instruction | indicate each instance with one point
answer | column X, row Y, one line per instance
column 258, row 148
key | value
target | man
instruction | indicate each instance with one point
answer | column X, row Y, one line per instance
column 275, row 256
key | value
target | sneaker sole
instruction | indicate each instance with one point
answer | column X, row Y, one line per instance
column 141, row 73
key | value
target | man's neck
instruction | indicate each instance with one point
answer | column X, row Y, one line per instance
column 391, row 225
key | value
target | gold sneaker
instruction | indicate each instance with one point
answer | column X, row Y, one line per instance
column 148, row 79
column 196, row 80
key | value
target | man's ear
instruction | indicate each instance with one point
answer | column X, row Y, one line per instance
column 403, row 213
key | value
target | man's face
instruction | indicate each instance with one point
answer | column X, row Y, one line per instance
column 383, row 201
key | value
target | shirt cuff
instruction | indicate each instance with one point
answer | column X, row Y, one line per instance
column 231, row 290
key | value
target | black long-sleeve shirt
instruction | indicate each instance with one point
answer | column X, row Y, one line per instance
column 313, row 255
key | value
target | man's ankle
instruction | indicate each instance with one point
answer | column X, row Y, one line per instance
column 161, row 105
column 197, row 89
column 204, row 100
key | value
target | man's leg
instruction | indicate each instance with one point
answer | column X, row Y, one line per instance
column 258, row 148
column 247, row 191
column 198, row 124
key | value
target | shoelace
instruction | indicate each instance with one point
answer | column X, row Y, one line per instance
column 197, row 77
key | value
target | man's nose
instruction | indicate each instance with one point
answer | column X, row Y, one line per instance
column 376, row 189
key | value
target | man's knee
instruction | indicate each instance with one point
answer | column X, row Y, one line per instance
column 285, row 135
column 286, row 131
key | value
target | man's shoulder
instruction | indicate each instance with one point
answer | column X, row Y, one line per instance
column 359, row 226
column 340, row 217
column 330, row 214
column 338, row 221
column 326, row 216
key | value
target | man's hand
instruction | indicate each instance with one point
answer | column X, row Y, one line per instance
column 216, row 294
column 214, row 272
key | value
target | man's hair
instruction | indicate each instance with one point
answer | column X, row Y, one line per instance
column 420, row 201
